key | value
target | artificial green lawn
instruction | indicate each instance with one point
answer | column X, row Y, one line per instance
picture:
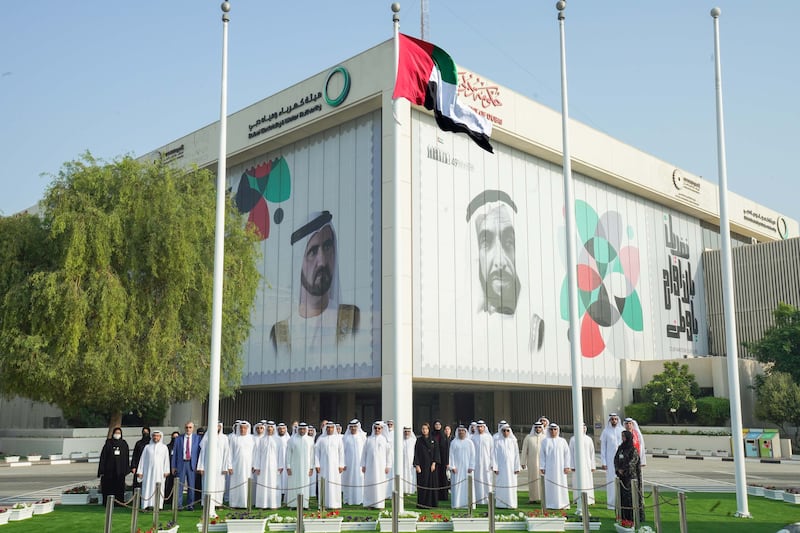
column 706, row 512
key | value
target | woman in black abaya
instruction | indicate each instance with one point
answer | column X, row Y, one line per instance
column 444, row 454
column 113, row 466
column 426, row 459
column 628, row 467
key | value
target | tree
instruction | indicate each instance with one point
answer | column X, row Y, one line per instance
column 780, row 344
column 778, row 401
column 106, row 298
column 673, row 392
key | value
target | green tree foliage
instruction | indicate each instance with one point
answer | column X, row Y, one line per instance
column 778, row 401
column 106, row 299
column 712, row 411
column 780, row 344
column 643, row 412
column 673, row 391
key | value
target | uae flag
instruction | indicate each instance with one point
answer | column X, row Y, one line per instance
column 427, row 76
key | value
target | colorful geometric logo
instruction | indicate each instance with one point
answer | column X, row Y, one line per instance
column 268, row 182
column 608, row 274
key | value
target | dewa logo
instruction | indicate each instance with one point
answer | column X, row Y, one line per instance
column 337, row 86
column 782, row 227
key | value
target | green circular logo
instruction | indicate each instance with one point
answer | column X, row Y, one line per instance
column 333, row 102
column 782, row 228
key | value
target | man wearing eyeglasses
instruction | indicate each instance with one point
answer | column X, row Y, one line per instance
column 610, row 440
column 184, row 463
column 505, row 463
column 554, row 466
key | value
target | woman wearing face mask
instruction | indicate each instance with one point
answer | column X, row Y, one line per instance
column 114, row 466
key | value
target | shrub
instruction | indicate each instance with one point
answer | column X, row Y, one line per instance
column 713, row 411
column 643, row 413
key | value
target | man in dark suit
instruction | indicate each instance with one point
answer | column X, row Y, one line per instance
column 184, row 463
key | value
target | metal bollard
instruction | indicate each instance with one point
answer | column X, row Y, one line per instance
column 682, row 511
column 491, row 511
column 321, row 499
column 395, row 512
column 541, row 491
column 206, row 511
column 585, row 511
column 617, row 487
column 137, row 495
column 656, row 509
column 177, row 494
column 301, row 527
column 635, row 503
column 109, row 512
column 156, row 501
column 470, row 495
column 249, row 494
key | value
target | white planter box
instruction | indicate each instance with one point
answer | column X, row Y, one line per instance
column 20, row 514
column 44, row 508
column 74, row 499
column 359, row 526
column 56, row 457
column 434, row 526
column 4, row 517
column 722, row 453
column 755, row 491
column 77, row 455
column 621, row 529
column 34, row 458
column 247, row 525
column 657, row 451
column 517, row 525
column 12, row 458
column 323, row 525
column 789, row 497
column 471, row 524
column 281, row 526
column 771, row 494
column 404, row 525
column 705, row 453
column 578, row 526
column 170, row 530
column 671, row 451
column 546, row 524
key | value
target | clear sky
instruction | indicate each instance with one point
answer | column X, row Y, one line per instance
column 121, row 78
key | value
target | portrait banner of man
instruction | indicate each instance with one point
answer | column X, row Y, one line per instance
column 318, row 322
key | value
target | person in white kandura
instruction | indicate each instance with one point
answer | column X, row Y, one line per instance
column 153, row 469
column 610, row 440
column 554, row 466
column 506, row 466
column 484, row 476
column 530, row 460
column 353, row 477
column 299, row 466
column 588, row 467
column 225, row 465
column 376, row 462
column 330, row 464
column 267, row 467
column 462, row 463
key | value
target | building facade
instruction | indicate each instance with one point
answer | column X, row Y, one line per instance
column 480, row 241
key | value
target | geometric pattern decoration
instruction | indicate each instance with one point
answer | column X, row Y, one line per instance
column 608, row 274
column 270, row 181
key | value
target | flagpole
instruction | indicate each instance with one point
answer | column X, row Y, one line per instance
column 212, row 461
column 572, row 266
column 399, row 349
column 727, row 291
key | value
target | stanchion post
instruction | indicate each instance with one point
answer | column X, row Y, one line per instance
column 156, row 501
column 491, row 511
column 301, row 527
column 137, row 494
column 470, row 494
column 682, row 511
column 206, row 509
column 541, row 491
column 656, row 509
column 109, row 512
column 635, row 502
column 321, row 499
column 177, row 494
column 617, row 496
column 585, row 511
column 249, row 494
column 395, row 512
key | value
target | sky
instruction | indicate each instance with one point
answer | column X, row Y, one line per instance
column 124, row 78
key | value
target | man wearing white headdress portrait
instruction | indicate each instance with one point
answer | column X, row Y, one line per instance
column 493, row 243
column 318, row 320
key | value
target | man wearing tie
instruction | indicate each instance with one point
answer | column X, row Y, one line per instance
column 184, row 462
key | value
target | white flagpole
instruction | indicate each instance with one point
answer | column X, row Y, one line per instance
column 727, row 291
column 212, row 461
column 399, row 350
column 572, row 264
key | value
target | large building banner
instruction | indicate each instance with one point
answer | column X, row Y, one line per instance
column 316, row 207
column 490, row 269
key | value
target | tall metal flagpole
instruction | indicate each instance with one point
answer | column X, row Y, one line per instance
column 212, row 461
column 572, row 261
column 399, row 351
column 727, row 291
